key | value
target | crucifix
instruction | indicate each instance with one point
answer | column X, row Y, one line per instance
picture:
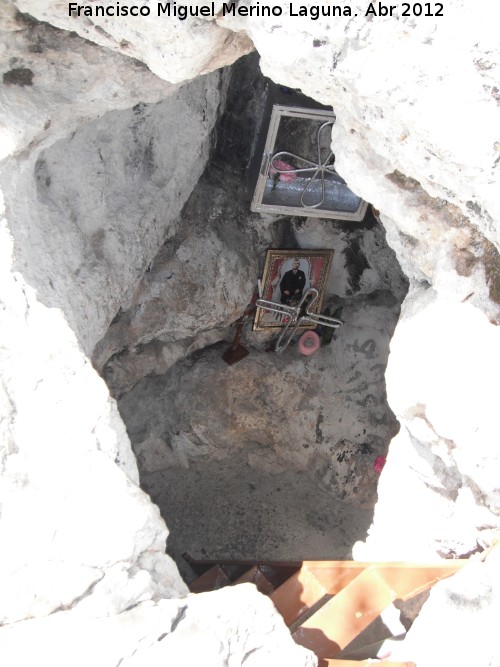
column 297, row 316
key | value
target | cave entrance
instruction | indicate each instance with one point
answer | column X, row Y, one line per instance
column 272, row 458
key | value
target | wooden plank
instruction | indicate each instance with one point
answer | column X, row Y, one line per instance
column 418, row 578
column 298, row 594
column 343, row 617
column 335, row 575
column 406, row 578
column 277, row 575
column 211, row 580
column 255, row 576
column 208, row 562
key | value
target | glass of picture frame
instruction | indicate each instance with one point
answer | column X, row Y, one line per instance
column 297, row 174
column 287, row 276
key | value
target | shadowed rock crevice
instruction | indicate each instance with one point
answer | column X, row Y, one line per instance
column 321, row 420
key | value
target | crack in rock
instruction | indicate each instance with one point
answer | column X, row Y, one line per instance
column 181, row 615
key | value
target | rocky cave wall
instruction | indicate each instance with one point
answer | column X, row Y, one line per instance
column 162, row 357
column 86, row 547
column 109, row 192
column 400, row 143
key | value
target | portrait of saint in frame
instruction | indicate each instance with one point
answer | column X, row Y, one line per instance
column 288, row 274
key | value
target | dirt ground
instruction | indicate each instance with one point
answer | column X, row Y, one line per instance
column 228, row 510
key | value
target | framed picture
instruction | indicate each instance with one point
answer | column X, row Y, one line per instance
column 288, row 274
column 297, row 175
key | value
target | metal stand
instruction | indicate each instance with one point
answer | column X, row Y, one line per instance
column 297, row 316
column 317, row 169
column 236, row 352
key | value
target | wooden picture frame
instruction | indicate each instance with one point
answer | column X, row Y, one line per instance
column 314, row 265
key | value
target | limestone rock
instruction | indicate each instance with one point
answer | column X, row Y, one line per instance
column 54, row 82
column 399, row 143
column 192, row 287
column 76, row 524
column 235, row 626
column 436, row 244
column 197, row 285
column 333, row 404
column 109, row 194
column 64, row 447
column 364, row 264
column 125, row 369
column 398, row 139
column 416, row 135
column 465, row 605
column 327, row 415
column 176, row 50
column 445, row 459
column 403, row 113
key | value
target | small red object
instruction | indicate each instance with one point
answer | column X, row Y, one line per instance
column 309, row 343
column 379, row 463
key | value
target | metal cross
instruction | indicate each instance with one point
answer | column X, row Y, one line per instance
column 297, row 316
column 320, row 167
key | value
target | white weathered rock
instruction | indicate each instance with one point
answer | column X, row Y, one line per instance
column 414, row 95
column 235, row 626
column 416, row 103
column 54, row 82
column 466, row 605
column 440, row 484
column 91, row 541
column 173, row 49
column 75, row 521
column 108, row 195
column 195, row 285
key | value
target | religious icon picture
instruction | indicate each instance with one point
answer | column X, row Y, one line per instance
column 297, row 174
column 288, row 274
